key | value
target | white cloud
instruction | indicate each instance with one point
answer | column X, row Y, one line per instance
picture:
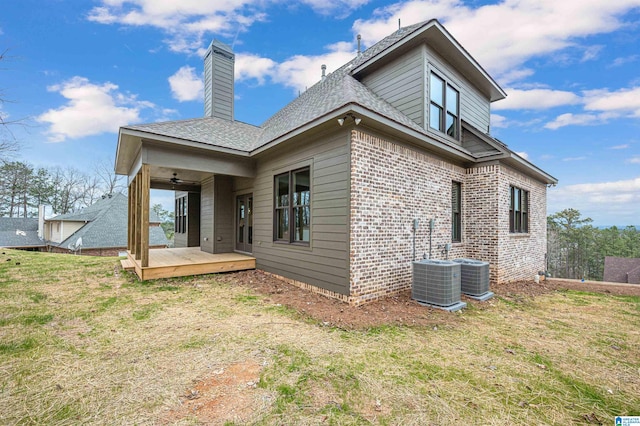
column 498, row 121
column 535, row 99
column 570, row 119
column 91, row 109
column 623, row 101
column 186, row 85
column 634, row 160
column 186, row 22
column 581, row 158
column 601, row 106
column 297, row 72
column 617, row 62
column 623, row 146
column 341, row 8
column 249, row 66
column 512, row 32
column 610, row 203
column 591, row 53
column 523, row 155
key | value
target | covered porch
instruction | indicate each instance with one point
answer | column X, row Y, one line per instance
column 201, row 181
column 185, row 261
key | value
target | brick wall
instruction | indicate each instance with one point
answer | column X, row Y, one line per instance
column 480, row 220
column 392, row 184
column 521, row 256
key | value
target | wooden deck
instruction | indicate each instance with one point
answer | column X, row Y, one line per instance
column 180, row 262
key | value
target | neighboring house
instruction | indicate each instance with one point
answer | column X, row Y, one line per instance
column 325, row 192
column 99, row 229
column 20, row 233
column 622, row 270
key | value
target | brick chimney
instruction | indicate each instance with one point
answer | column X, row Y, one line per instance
column 218, row 81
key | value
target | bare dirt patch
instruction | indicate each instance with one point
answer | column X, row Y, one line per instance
column 230, row 394
column 398, row 309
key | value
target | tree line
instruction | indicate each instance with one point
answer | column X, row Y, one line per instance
column 576, row 249
column 24, row 187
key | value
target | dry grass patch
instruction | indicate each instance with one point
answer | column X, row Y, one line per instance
column 83, row 342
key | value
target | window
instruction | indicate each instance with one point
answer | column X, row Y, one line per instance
column 443, row 106
column 456, row 210
column 518, row 210
column 180, row 223
column 292, row 207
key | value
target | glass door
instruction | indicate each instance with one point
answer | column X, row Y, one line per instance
column 244, row 223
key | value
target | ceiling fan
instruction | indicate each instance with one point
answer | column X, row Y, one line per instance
column 174, row 180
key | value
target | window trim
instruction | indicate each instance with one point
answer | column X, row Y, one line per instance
column 456, row 216
column 290, row 208
column 447, row 83
column 518, row 210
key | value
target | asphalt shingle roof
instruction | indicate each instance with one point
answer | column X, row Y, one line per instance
column 335, row 91
column 208, row 130
column 108, row 226
column 19, row 232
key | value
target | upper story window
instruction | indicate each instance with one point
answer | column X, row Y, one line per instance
column 518, row 210
column 292, row 210
column 444, row 106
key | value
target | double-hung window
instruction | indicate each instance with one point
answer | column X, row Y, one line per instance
column 456, row 212
column 292, row 207
column 444, row 106
column 518, row 210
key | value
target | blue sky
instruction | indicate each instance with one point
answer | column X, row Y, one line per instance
column 77, row 70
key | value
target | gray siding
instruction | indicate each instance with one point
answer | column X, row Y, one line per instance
column 474, row 107
column 325, row 262
column 401, row 83
column 224, row 208
column 218, row 83
column 206, row 218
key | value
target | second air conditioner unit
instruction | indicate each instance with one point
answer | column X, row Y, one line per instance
column 474, row 278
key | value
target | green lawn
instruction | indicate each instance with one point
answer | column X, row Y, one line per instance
column 82, row 342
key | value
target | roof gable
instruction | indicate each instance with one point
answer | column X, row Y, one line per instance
column 435, row 35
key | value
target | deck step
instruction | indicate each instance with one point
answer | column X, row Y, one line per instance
column 127, row 265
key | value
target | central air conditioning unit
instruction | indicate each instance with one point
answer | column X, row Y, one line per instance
column 474, row 278
column 436, row 283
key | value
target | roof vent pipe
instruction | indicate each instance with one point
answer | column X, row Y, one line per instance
column 324, row 71
column 359, row 39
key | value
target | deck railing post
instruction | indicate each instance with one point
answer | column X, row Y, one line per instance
column 138, row 181
column 144, row 222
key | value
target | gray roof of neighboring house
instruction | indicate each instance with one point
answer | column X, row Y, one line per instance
column 19, row 232
column 107, row 225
